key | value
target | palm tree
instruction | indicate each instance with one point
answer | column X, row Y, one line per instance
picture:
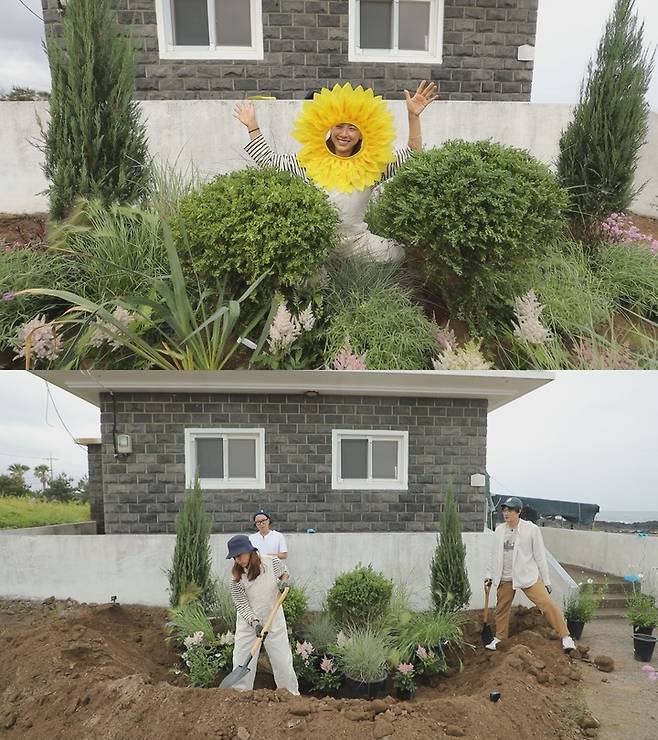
column 42, row 472
column 17, row 472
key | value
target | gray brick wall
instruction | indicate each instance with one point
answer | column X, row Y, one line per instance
column 95, row 487
column 306, row 47
column 143, row 491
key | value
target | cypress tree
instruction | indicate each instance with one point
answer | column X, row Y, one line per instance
column 599, row 149
column 451, row 590
column 191, row 561
column 95, row 143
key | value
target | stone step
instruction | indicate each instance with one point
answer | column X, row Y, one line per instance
column 614, row 601
column 610, row 614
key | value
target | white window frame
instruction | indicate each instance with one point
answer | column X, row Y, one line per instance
column 434, row 55
column 370, row 484
column 167, row 49
column 191, row 435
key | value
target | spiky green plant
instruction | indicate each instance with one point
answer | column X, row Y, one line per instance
column 599, row 149
column 450, row 587
column 191, row 560
column 95, row 141
column 222, row 609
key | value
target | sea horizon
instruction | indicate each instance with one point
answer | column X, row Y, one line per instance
column 626, row 516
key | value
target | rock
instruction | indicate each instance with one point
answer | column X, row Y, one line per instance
column 604, row 663
column 357, row 716
column 589, row 721
column 9, row 720
column 383, row 728
column 590, row 732
column 242, row 733
column 582, row 649
column 543, row 677
column 454, row 731
column 50, row 600
column 378, row 706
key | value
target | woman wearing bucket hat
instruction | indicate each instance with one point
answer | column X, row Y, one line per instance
column 518, row 560
column 347, row 137
column 255, row 584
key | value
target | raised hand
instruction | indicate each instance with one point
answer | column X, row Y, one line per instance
column 246, row 114
column 424, row 95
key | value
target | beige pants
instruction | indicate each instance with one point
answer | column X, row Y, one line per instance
column 539, row 596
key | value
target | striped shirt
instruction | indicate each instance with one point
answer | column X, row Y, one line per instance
column 259, row 150
column 239, row 593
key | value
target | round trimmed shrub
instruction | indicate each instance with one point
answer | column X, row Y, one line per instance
column 240, row 225
column 475, row 211
column 359, row 596
column 294, row 607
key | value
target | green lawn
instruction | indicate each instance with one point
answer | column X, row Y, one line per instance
column 18, row 511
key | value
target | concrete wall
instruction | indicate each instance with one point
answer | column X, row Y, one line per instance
column 205, row 133
column 78, row 528
column 617, row 554
column 305, row 46
column 143, row 491
column 133, row 567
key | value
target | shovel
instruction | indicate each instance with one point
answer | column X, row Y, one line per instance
column 487, row 634
column 241, row 671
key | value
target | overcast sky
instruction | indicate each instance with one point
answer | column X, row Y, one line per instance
column 567, row 36
column 588, row 437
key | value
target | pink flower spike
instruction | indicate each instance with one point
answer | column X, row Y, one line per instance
column 652, row 676
column 421, row 653
column 648, row 669
column 405, row 668
column 327, row 665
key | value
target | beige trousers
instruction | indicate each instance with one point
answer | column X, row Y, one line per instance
column 539, row 596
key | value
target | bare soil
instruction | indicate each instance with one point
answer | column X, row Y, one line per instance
column 102, row 671
column 24, row 228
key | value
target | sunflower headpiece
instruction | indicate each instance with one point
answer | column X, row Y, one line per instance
column 361, row 108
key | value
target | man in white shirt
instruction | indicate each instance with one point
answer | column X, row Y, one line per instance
column 267, row 541
column 518, row 560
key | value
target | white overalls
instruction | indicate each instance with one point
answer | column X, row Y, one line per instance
column 262, row 592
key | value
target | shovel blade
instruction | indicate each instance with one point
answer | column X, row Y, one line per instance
column 487, row 634
column 234, row 676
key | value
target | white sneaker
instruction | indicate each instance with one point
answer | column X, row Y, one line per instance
column 492, row 644
column 568, row 643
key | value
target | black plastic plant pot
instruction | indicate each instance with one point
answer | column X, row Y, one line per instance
column 403, row 694
column 643, row 646
column 575, row 628
column 361, row 690
column 642, row 630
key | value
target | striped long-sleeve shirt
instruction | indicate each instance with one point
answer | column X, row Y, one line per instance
column 239, row 593
column 260, row 151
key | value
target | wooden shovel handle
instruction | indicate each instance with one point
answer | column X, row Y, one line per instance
column 487, row 589
column 268, row 622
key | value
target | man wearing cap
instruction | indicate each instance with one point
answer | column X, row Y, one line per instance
column 267, row 541
column 518, row 560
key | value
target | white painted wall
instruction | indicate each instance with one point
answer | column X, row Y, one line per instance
column 205, row 132
column 616, row 554
column 93, row 568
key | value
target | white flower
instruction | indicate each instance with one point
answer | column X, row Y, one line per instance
column 41, row 337
column 467, row 357
column 341, row 640
column 529, row 327
column 195, row 639
column 284, row 330
column 228, row 638
column 304, row 649
column 306, row 318
column 106, row 332
column 590, row 581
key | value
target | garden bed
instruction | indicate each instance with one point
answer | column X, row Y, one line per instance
column 103, row 671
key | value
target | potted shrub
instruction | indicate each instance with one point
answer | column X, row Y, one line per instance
column 364, row 661
column 580, row 605
column 303, row 662
column 359, row 597
column 428, row 663
column 327, row 678
column 403, row 680
column 641, row 613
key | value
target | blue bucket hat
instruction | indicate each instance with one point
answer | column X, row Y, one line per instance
column 239, row 544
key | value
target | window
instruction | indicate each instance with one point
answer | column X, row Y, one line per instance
column 225, row 458
column 369, row 459
column 210, row 29
column 395, row 30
